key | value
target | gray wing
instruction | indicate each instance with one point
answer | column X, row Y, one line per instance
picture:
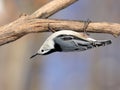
column 72, row 43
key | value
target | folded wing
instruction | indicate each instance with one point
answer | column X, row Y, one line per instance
column 72, row 43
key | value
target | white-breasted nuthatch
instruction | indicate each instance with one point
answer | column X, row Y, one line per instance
column 68, row 41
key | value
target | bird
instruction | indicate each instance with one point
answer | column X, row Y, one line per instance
column 69, row 41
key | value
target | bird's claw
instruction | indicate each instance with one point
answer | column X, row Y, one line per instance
column 86, row 23
column 50, row 29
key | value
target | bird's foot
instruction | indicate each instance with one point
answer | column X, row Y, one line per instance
column 86, row 23
column 51, row 29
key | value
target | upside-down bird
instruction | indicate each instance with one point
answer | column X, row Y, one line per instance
column 69, row 41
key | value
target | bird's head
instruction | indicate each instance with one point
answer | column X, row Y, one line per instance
column 46, row 48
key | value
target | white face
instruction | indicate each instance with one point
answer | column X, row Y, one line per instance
column 45, row 49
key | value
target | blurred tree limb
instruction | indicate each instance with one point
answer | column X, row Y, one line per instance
column 36, row 22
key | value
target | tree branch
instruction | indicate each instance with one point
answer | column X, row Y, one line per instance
column 51, row 8
column 33, row 24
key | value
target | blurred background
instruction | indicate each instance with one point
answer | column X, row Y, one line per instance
column 96, row 69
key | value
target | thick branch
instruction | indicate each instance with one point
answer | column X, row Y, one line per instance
column 26, row 25
column 41, row 25
column 52, row 7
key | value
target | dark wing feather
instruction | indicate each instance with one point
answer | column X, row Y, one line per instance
column 71, row 43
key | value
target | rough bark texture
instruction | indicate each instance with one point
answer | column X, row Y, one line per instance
column 34, row 23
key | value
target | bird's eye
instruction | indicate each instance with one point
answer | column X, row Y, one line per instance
column 42, row 50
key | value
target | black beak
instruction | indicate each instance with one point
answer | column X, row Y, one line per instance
column 34, row 55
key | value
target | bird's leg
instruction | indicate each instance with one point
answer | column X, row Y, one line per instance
column 50, row 29
column 86, row 23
